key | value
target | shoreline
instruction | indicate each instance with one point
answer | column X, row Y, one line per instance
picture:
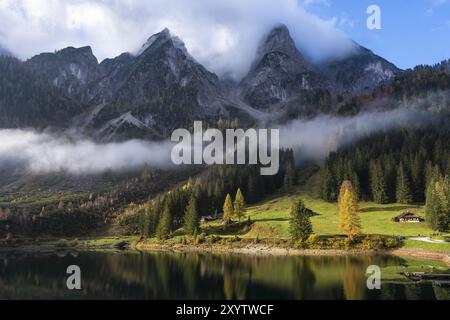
column 265, row 251
column 261, row 250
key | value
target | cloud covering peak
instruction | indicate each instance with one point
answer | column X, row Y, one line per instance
column 222, row 35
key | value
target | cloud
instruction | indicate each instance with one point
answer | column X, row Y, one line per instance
column 315, row 139
column 223, row 35
column 312, row 139
column 308, row 3
column 45, row 153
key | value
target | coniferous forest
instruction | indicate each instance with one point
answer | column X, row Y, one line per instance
column 403, row 166
column 174, row 209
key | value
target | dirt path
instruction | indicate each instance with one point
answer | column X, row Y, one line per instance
column 422, row 254
column 426, row 239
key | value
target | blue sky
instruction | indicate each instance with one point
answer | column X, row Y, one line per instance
column 413, row 32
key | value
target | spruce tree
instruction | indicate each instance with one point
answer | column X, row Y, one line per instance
column 378, row 183
column 437, row 207
column 165, row 224
column 300, row 226
column 403, row 191
column 289, row 176
column 191, row 220
column 328, row 193
column 251, row 188
column 228, row 210
column 239, row 205
column 417, row 179
column 390, row 176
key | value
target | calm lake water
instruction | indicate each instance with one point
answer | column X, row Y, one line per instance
column 137, row 275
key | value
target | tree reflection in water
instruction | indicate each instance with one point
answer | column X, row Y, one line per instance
column 161, row 275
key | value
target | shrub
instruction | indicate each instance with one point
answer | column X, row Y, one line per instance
column 300, row 244
column 62, row 243
column 313, row 242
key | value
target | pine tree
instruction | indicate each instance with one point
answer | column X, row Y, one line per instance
column 191, row 220
column 239, row 205
column 143, row 223
column 165, row 224
column 390, row 176
column 328, row 192
column 403, row 191
column 378, row 183
column 300, row 226
column 227, row 210
column 349, row 211
column 437, row 207
column 417, row 178
column 289, row 176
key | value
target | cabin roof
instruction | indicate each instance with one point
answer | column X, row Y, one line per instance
column 407, row 215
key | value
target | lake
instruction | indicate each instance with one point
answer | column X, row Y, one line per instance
column 162, row 275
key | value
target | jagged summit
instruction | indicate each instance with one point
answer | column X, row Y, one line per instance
column 164, row 35
column 279, row 39
column 162, row 38
column 279, row 72
column 161, row 87
column 71, row 69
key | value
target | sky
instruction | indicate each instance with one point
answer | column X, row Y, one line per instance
column 224, row 35
column 413, row 32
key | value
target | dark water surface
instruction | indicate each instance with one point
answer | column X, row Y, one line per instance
column 137, row 275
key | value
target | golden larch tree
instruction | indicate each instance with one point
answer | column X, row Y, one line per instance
column 228, row 210
column 349, row 210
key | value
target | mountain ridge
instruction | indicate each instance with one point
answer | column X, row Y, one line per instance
column 162, row 87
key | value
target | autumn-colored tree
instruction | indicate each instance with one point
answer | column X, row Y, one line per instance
column 228, row 210
column 349, row 211
column 239, row 205
column 346, row 185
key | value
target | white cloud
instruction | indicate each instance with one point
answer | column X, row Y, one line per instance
column 315, row 139
column 312, row 139
column 42, row 153
column 308, row 3
column 223, row 35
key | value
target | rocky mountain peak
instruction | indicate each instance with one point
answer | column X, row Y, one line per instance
column 279, row 42
column 279, row 72
column 159, row 39
column 360, row 72
column 67, row 55
column 278, row 39
column 70, row 69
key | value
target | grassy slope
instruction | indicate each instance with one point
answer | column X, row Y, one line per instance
column 271, row 217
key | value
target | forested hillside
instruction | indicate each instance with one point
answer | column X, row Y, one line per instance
column 406, row 166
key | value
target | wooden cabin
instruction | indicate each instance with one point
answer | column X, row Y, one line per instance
column 408, row 217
